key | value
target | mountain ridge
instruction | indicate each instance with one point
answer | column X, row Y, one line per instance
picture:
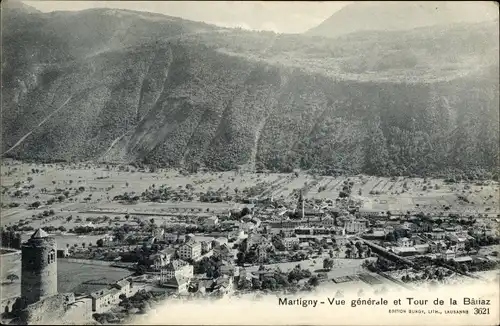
column 168, row 96
column 369, row 16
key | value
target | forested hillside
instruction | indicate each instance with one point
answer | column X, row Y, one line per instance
column 119, row 86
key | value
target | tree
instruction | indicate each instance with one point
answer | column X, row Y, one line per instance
column 36, row 204
column 256, row 284
column 314, row 281
column 328, row 263
column 12, row 277
column 100, row 242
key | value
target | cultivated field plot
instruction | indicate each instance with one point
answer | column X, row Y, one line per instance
column 101, row 185
column 71, row 276
column 295, row 184
column 65, row 240
column 332, row 188
column 323, row 183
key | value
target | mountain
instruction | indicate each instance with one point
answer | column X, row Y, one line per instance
column 397, row 15
column 18, row 5
column 120, row 86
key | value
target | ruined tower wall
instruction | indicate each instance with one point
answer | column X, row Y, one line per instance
column 39, row 269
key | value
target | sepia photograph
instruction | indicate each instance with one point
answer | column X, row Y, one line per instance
column 250, row 163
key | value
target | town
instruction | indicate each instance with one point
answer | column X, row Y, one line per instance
column 102, row 243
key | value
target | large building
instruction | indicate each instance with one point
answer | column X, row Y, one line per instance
column 39, row 268
column 176, row 268
column 190, row 250
column 355, row 226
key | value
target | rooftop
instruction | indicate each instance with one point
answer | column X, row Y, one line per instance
column 39, row 234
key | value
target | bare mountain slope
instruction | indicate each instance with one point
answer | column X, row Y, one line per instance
column 398, row 15
column 120, row 86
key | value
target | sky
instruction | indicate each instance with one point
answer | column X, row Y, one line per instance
column 280, row 17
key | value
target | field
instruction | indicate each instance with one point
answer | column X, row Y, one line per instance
column 70, row 276
column 379, row 194
column 74, row 277
column 101, row 184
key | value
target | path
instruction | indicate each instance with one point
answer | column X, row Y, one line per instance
column 38, row 126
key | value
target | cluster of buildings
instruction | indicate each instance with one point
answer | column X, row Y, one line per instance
column 271, row 230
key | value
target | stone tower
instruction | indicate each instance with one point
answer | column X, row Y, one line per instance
column 39, row 267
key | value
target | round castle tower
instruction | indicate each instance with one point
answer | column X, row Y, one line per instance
column 39, row 267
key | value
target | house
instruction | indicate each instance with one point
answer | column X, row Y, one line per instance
column 181, row 238
column 223, row 286
column 220, row 241
column 223, row 252
column 171, row 237
column 211, row 221
column 255, row 239
column 463, row 259
column 179, row 283
column 125, row 287
column 327, row 221
column 374, row 234
column 437, row 234
column 176, row 268
column 105, row 299
column 368, row 212
column 287, row 232
column 162, row 258
column 290, row 242
column 190, row 250
column 355, row 226
column 437, row 246
column 448, row 254
column 206, row 246
column 228, row 268
column 411, row 227
column 404, row 242
column 262, row 252
column 247, row 226
column 425, row 226
column 158, row 233
column 416, row 239
column 458, row 239
column 285, row 223
column 422, row 248
column 404, row 251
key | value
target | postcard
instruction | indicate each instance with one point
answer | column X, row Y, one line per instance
column 250, row 163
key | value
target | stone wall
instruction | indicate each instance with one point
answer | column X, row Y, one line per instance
column 51, row 310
